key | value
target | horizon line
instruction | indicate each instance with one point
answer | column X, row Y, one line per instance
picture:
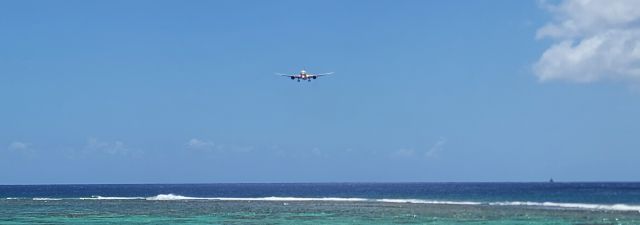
column 330, row 182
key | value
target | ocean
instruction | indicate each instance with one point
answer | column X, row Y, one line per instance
column 322, row 203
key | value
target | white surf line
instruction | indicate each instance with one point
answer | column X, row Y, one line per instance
column 611, row 207
column 46, row 199
column 174, row 197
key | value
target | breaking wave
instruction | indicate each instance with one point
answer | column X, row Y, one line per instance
column 168, row 197
column 614, row 207
column 421, row 201
column 554, row 205
column 97, row 197
column 46, row 199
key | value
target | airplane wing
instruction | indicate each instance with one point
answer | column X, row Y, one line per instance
column 284, row 75
column 323, row 74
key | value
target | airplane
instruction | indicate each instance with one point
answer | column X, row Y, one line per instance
column 304, row 76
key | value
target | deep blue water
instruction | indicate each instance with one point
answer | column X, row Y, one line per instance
column 600, row 193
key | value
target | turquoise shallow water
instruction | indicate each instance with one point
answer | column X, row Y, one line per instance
column 333, row 203
column 276, row 212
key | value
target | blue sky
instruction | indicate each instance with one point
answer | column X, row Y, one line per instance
column 174, row 91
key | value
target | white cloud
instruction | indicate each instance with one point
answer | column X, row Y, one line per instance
column 436, row 148
column 202, row 145
column 19, row 146
column 198, row 144
column 111, row 148
column 431, row 152
column 593, row 40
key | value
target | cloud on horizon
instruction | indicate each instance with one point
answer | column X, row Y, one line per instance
column 593, row 41
column 94, row 145
column 431, row 152
column 436, row 148
column 201, row 145
column 19, row 146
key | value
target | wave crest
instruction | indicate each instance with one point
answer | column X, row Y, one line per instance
column 614, row 207
column 169, row 197
column 46, row 199
column 98, row 197
column 175, row 197
column 421, row 201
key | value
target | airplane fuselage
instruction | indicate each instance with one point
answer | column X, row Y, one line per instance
column 303, row 75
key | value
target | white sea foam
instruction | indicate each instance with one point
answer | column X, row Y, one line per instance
column 293, row 199
column 613, row 207
column 46, row 199
column 97, row 197
column 168, row 197
column 422, row 201
column 174, row 197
